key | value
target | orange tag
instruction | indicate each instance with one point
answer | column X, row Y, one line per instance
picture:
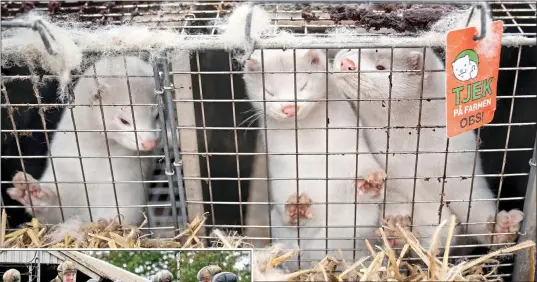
column 471, row 77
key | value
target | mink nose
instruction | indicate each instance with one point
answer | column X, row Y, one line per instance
column 149, row 144
column 289, row 110
column 347, row 64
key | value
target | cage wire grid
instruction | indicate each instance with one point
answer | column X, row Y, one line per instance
column 193, row 17
column 157, row 210
column 159, row 14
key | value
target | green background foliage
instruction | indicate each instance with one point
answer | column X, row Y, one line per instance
column 146, row 263
column 143, row 263
column 193, row 261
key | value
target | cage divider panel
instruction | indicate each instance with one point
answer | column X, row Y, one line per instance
column 219, row 114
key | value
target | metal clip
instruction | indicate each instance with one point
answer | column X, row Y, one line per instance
column 190, row 15
column 248, row 29
column 71, row 98
column 483, row 21
column 532, row 162
column 38, row 26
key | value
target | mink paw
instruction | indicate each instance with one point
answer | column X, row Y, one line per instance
column 393, row 235
column 27, row 191
column 506, row 222
column 298, row 206
column 374, row 183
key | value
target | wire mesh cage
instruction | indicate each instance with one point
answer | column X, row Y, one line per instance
column 218, row 154
column 159, row 211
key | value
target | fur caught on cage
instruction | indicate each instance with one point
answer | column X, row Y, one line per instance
column 122, row 37
column 26, row 48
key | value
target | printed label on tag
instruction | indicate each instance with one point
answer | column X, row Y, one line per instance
column 471, row 77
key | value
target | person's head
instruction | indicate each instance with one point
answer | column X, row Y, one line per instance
column 225, row 277
column 206, row 273
column 162, row 276
column 12, row 275
column 67, row 271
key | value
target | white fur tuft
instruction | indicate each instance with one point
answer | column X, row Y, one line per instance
column 261, row 258
column 233, row 28
column 70, row 227
column 120, row 38
column 31, row 49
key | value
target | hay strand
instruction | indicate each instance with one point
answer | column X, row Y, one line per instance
column 4, row 227
column 532, row 264
column 371, row 250
column 443, row 271
column 373, row 266
column 507, row 250
column 351, row 269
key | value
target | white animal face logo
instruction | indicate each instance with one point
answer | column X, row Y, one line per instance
column 465, row 69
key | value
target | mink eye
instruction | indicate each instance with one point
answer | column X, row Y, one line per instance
column 379, row 67
column 124, row 121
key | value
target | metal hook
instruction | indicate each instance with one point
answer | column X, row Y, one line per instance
column 248, row 29
column 483, row 22
column 38, row 26
column 470, row 16
column 71, row 97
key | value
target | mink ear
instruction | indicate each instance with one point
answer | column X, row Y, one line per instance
column 415, row 60
column 313, row 55
column 252, row 65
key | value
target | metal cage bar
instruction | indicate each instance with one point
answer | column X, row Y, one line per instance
column 528, row 230
column 188, row 163
column 163, row 114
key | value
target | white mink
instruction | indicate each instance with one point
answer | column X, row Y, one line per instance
column 430, row 168
column 342, row 143
column 128, row 167
column 258, row 215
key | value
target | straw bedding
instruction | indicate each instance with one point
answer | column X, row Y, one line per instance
column 383, row 264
